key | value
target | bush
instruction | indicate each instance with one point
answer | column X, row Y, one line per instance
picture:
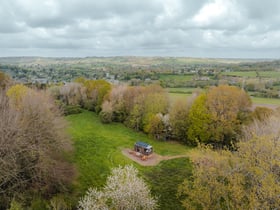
column 72, row 109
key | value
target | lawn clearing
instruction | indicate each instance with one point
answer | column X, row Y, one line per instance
column 98, row 148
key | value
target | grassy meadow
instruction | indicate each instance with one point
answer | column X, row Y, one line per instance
column 98, row 148
column 178, row 78
column 265, row 74
column 183, row 94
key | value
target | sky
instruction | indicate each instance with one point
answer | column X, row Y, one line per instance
column 185, row 28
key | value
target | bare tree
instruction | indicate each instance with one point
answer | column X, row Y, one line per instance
column 32, row 139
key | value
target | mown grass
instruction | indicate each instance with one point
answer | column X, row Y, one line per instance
column 98, row 148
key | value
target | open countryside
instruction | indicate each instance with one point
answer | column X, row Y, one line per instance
column 169, row 110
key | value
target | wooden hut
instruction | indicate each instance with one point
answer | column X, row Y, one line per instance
column 143, row 148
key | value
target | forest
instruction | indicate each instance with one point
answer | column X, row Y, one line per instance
column 61, row 140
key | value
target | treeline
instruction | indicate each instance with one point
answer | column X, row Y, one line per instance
column 214, row 116
column 33, row 143
column 34, row 170
column 239, row 166
column 241, row 173
column 245, row 179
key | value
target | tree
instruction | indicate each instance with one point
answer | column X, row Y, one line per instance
column 199, row 120
column 123, row 190
column 225, row 104
column 96, row 91
column 16, row 94
column 5, row 81
column 106, row 115
column 32, row 139
column 261, row 113
column 179, row 118
column 72, row 94
column 155, row 101
column 216, row 117
column 245, row 179
column 157, row 127
column 118, row 102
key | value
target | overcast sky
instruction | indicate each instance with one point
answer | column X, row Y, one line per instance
column 192, row 28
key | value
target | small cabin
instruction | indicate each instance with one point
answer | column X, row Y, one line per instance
column 143, row 148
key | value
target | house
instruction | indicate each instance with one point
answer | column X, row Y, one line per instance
column 143, row 148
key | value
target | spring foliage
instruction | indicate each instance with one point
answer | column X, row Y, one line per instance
column 123, row 190
column 32, row 140
column 246, row 179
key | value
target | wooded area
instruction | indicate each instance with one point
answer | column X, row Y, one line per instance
column 235, row 161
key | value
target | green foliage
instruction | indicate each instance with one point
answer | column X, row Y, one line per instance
column 99, row 146
column 58, row 203
column 199, row 120
column 155, row 102
column 216, row 116
column 15, row 205
column 245, row 179
column 16, row 94
column 72, row 110
column 179, row 120
column 38, row 203
column 96, row 91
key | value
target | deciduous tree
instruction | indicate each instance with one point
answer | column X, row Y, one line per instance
column 245, row 179
column 123, row 190
column 32, row 142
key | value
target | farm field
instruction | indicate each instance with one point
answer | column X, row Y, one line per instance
column 176, row 77
column 266, row 74
column 98, row 148
column 266, row 101
column 184, row 93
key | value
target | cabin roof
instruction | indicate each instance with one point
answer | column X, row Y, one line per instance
column 143, row 144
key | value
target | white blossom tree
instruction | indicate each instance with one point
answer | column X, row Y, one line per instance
column 123, row 190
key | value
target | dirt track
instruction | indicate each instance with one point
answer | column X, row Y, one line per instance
column 153, row 160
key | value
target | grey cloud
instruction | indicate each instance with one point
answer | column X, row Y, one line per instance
column 148, row 27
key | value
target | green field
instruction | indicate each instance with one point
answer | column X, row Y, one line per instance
column 173, row 97
column 265, row 74
column 98, row 148
column 267, row 101
column 256, row 100
column 176, row 94
column 181, row 90
column 178, row 78
column 241, row 73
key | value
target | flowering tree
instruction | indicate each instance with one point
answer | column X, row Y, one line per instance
column 123, row 190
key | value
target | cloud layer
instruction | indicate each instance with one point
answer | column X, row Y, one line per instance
column 198, row 28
